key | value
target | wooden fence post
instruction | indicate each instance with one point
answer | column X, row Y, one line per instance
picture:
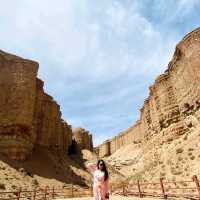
column 34, row 193
column 72, row 190
column 195, row 179
column 19, row 194
column 53, row 192
column 162, row 188
column 45, row 193
column 111, row 190
column 123, row 188
column 139, row 189
column 91, row 190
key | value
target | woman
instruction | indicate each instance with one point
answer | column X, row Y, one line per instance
column 100, row 180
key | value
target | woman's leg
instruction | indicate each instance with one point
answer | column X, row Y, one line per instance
column 102, row 193
column 96, row 193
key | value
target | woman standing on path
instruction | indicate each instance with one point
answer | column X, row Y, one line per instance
column 100, row 180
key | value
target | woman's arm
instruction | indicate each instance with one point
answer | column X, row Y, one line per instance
column 91, row 167
column 107, row 188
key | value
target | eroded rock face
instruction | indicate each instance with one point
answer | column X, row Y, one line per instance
column 28, row 116
column 173, row 105
column 17, row 103
column 82, row 138
column 51, row 130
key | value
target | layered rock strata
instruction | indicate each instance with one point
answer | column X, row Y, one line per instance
column 83, row 139
column 28, row 116
column 173, row 105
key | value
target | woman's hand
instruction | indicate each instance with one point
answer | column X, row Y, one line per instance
column 91, row 167
column 107, row 196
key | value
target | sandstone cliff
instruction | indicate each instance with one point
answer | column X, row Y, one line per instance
column 32, row 130
column 164, row 142
column 173, row 105
column 82, row 139
column 28, row 116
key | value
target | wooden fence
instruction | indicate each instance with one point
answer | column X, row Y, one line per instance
column 47, row 193
column 188, row 189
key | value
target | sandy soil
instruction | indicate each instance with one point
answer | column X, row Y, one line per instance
column 112, row 198
column 117, row 198
column 41, row 169
column 177, row 159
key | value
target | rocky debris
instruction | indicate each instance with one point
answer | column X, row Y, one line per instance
column 43, row 169
column 2, row 186
column 25, row 173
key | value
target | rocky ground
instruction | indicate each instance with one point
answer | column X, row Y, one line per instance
column 45, row 168
column 120, row 198
column 41, row 169
column 177, row 159
column 112, row 198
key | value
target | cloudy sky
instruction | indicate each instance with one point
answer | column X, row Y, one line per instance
column 97, row 57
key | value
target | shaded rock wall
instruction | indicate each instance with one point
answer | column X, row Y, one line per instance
column 17, row 103
column 104, row 149
column 51, row 130
column 83, row 139
column 28, row 116
column 173, row 105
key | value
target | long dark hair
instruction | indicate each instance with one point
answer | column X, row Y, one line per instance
column 104, row 169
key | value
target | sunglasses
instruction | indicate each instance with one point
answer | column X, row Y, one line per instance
column 100, row 164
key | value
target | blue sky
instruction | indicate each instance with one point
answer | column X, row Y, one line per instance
column 97, row 57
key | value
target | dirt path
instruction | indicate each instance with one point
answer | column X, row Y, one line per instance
column 113, row 198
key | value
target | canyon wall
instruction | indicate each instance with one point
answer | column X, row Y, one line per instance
column 173, row 105
column 51, row 130
column 28, row 116
column 83, row 139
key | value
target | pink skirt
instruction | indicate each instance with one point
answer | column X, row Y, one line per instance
column 99, row 193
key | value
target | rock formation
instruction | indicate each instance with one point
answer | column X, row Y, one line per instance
column 82, row 139
column 173, row 106
column 28, row 116
column 51, row 130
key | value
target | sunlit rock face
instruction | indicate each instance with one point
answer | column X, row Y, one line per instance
column 173, row 105
column 28, row 116
column 51, row 130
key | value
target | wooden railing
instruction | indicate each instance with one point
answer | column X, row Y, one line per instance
column 47, row 193
column 187, row 189
column 164, row 189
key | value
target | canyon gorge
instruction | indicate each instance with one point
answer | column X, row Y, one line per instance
column 164, row 142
